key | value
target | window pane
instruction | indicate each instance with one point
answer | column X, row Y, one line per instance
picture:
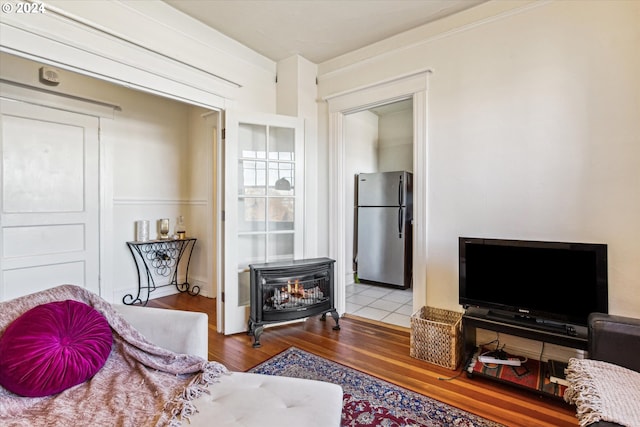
column 281, row 179
column 244, row 289
column 280, row 247
column 252, row 177
column 281, row 144
column 266, row 202
column 251, row 250
column 281, row 213
column 251, row 214
column 252, row 141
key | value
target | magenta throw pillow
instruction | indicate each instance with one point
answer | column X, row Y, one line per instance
column 52, row 347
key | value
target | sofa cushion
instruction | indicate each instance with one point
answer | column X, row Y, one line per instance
column 52, row 347
column 246, row 399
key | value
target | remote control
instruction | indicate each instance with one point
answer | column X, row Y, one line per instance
column 511, row 361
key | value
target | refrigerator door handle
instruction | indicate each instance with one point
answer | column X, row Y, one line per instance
column 400, row 194
column 400, row 221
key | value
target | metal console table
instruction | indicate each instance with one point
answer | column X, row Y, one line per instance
column 160, row 260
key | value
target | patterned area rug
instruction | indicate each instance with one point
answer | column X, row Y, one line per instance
column 370, row 401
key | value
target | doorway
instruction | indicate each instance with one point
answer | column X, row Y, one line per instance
column 378, row 139
column 412, row 87
column 69, row 203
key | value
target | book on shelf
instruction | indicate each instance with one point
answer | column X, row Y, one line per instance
column 557, row 372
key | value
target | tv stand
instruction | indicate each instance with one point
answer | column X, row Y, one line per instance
column 520, row 325
column 537, row 329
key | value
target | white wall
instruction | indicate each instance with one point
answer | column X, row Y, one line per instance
column 533, row 129
column 395, row 150
column 296, row 96
column 161, row 151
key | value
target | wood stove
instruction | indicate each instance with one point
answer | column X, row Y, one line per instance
column 283, row 291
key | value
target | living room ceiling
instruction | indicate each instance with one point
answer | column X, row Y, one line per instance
column 318, row 30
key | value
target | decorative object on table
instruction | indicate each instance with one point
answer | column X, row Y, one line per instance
column 367, row 400
column 142, row 231
column 163, row 228
column 158, row 263
column 181, row 230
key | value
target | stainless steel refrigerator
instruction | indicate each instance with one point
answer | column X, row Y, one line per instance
column 384, row 228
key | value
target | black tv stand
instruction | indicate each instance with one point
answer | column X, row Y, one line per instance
column 537, row 329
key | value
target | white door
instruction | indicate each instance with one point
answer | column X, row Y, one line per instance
column 263, row 203
column 49, row 231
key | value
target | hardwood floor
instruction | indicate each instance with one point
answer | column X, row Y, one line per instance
column 383, row 352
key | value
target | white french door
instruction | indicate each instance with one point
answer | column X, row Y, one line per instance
column 263, row 203
column 49, row 207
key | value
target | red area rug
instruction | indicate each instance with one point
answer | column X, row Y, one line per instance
column 367, row 400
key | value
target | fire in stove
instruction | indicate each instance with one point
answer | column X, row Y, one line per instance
column 293, row 295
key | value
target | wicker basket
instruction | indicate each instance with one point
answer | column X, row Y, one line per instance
column 436, row 336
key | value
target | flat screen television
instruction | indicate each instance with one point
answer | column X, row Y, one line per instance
column 558, row 281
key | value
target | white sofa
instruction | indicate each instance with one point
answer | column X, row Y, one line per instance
column 239, row 399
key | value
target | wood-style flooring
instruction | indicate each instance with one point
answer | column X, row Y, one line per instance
column 381, row 351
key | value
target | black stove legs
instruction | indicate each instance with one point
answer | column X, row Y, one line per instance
column 335, row 316
column 256, row 328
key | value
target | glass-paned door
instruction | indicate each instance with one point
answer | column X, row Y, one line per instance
column 264, row 159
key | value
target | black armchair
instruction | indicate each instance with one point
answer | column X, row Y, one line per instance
column 615, row 340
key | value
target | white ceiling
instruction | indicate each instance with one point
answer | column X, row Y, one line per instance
column 318, row 30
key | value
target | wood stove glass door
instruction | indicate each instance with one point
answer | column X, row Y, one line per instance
column 264, row 180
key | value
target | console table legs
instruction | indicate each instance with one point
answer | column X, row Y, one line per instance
column 160, row 259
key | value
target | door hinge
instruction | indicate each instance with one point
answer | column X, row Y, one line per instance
column 222, row 215
column 224, row 133
column 222, row 296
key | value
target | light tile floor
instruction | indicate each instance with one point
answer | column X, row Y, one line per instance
column 388, row 305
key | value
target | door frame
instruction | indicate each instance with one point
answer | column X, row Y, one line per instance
column 413, row 86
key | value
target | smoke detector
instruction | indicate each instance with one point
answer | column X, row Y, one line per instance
column 49, row 76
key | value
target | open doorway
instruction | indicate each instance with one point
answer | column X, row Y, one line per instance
column 153, row 158
column 377, row 140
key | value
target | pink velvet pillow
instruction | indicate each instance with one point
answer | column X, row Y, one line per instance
column 53, row 347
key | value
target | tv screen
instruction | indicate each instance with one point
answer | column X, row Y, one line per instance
column 559, row 281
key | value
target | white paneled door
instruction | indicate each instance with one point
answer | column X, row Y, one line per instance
column 49, row 216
